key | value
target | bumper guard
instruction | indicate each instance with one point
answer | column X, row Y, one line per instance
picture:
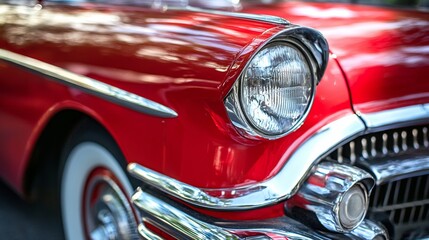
column 184, row 223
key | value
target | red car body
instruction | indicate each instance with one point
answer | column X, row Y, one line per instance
column 188, row 61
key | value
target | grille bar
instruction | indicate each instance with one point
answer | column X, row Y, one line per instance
column 400, row 206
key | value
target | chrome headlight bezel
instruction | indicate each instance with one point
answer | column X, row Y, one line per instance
column 313, row 47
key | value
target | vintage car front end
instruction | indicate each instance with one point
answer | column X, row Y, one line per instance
column 323, row 191
column 232, row 125
column 292, row 159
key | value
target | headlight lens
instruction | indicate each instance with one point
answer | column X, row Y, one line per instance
column 276, row 89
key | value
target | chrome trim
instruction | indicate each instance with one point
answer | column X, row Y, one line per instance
column 184, row 223
column 315, row 49
column 92, row 86
column 398, row 116
column 176, row 188
column 370, row 230
column 392, row 168
column 321, row 196
column 256, row 17
column 264, row 193
column 179, row 223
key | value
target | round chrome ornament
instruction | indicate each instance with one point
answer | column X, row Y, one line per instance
column 107, row 211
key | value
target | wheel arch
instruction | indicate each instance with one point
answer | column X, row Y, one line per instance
column 42, row 167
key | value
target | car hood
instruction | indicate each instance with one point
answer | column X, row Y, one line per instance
column 384, row 52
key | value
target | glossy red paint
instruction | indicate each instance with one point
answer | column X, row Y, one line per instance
column 184, row 60
column 384, row 52
column 130, row 58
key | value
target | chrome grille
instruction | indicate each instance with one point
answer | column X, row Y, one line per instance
column 392, row 142
column 402, row 204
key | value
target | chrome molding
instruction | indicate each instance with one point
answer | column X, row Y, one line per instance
column 176, row 188
column 256, row 17
column 369, row 230
column 183, row 223
column 398, row 116
column 393, row 168
column 92, row 86
column 261, row 194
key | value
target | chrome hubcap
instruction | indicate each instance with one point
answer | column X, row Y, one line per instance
column 107, row 210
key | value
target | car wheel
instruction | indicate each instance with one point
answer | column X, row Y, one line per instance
column 95, row 190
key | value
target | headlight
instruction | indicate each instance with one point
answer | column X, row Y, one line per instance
column 274, row 92
column 276, row 89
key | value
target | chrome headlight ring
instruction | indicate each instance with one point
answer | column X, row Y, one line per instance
column 282, row 87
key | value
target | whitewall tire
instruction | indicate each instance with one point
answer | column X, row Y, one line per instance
column 95, row 194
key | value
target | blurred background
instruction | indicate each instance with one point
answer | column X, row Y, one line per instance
column 22, row 220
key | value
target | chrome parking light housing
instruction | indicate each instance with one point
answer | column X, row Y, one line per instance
column 275, row 90
column 335, row 196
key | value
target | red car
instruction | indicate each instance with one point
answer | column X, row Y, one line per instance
column 233, row 122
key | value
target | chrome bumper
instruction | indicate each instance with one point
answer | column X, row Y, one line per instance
column 183, row 223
